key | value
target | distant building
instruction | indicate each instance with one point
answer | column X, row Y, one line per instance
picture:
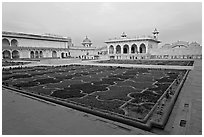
column 146, row 47
column 86, row 50
column 178, row 50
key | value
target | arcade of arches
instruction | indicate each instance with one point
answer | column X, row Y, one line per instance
column 11, row 51
column 126, row 49
column 36, row 54
column 10, row 54
column 7, row 43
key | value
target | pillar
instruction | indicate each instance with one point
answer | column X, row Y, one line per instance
column 129, row 49
column 121, row 49
column 114, row 49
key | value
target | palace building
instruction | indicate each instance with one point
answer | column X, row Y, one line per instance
column 139, row 47
column 85, row 51
column 22, row 45
column 34, row 46
column 147, row 47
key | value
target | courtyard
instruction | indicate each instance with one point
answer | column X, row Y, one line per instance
column 129, row 95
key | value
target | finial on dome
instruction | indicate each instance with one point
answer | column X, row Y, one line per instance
column 155, row 33
column 86, row 42
column 123, row 35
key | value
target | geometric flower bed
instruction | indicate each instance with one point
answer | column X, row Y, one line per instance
column 129, row 95
column 150, row 62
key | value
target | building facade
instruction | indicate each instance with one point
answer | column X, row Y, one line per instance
column 85, row 51
column 178, row 50
column 34, row 46
column 132, row 48
column 146, row 47
column 23, row 45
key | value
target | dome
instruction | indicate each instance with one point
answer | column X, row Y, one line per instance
column 86, row 40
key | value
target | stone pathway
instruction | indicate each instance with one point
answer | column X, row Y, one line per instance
column 186, row 117
column 29, row 116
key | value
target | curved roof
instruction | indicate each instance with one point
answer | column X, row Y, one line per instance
column 86, row 40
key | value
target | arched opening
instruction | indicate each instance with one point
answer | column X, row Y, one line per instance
column 111, row 49
column 36, row 54
column 134, row 48
column 6, row 54
column 5, row 43
column 54, row 54
column 142, row 48
column 41, row 54
column 32, row 55
column 126, row 49
column 15, row 54
column 118, row 49
column 62, row 55
column 14, row 43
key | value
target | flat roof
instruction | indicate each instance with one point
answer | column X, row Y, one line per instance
column 35, row 36
column 138, row 38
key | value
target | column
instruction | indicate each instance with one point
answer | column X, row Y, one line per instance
column 122, row 49
column 147, row 46
column 114, row 49
column 129, row 49
column 11, row 54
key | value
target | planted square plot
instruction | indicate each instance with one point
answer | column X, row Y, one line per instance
column 128, row 95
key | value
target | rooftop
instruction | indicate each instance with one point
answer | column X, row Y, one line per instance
column 35, row 36
column 137, row 38
column 124, row 38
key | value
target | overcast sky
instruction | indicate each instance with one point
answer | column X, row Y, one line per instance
column 101, row 21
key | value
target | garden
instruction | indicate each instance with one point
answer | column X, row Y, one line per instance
column 129, row 93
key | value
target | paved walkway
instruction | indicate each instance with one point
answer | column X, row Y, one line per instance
column 25, row 116
column 56, row 62
column 48, row 62
column 135, row 65
column 188, row 106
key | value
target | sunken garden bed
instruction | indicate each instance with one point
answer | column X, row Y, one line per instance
column 139, row 97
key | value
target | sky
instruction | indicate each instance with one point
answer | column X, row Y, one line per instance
column 101, row 20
